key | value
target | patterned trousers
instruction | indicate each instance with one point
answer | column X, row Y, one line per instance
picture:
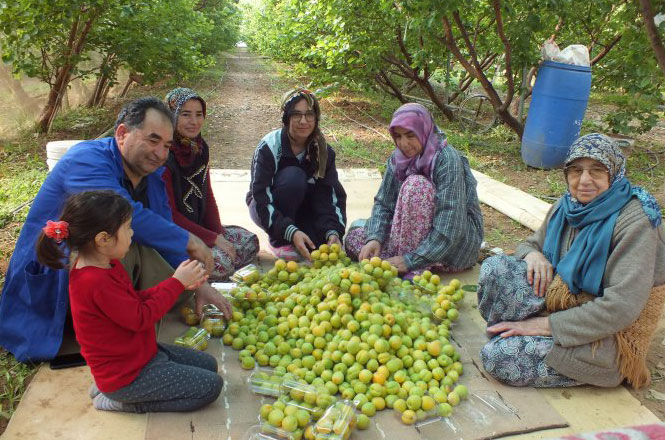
column 176, row 379
column 246, row 245
column 505, row 295
column 412, row 221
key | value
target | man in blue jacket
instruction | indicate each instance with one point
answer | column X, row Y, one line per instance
column 34, row 302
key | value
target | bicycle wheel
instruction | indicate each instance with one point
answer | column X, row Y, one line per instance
column 476, row 113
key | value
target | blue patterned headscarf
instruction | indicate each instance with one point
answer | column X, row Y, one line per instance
column 583, row 266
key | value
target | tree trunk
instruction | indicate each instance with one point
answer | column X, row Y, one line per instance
column 652, row 33
column 63, row 73
column 126, row 88
column 54, row 99
column 105, row 94
column 97, row 91
column 384, row 82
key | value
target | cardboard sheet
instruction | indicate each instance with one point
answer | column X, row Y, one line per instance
column 237, row 408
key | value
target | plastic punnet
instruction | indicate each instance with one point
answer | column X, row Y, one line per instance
column 193, row 337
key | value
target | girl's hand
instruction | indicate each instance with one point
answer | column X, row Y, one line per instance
column 529, row 327
column 303, row 244
column 334, row 239
column 371, row 249
column 539, row 272
column 226, row 246
column 399, row 262
column 191, row 274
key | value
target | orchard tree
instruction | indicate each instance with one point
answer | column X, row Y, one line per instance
column 163, row 38
column 48, row 40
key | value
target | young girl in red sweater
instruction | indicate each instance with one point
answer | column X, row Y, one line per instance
column 114, row 323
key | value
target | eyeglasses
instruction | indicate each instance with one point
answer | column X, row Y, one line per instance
column 596, row 172
column 309, row 115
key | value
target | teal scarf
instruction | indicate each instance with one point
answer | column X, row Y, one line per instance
column 583, row 266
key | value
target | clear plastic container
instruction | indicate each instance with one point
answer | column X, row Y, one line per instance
column 305, row 396
column 189, row 316
column 337, row 423
column 266, row 431
column 266, row 381
column 193, row 337
column 213, row 321
column 249, row 274
column 223, row 288
column 482, row 409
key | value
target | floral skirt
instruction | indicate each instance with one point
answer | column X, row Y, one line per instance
column 246, row 245
column 412, row 222
column 504, row 294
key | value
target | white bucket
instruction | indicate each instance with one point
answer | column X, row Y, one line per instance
column 56, row 149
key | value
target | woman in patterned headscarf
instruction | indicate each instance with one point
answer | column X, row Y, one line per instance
column 190, row 194
column 603, row 240
column 295, row 194
column 426, row 214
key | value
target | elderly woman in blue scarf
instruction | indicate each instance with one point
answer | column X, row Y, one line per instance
column 579, row 301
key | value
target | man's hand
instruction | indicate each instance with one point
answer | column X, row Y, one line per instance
column 399, row 262
column 302, row 242
column 207, row 295
column 371, row 249
column 529, row 327
column 226, row 246
column 198, row 250
column 334, row 239
column 539, row 272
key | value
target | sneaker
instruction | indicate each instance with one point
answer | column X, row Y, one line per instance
column 287, row 252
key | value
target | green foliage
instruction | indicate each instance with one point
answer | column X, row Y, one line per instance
column 354, row 42
column 165, row 37
column 15, row 378
column 52, row 40
column 21, row 175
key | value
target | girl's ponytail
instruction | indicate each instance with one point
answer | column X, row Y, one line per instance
column 50, row 253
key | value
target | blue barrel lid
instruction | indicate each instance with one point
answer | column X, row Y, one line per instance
column 565, row 66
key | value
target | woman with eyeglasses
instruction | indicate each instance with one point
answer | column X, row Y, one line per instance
column 580, row 299
column 426, row 213
column 295, row 194
column 187, row 180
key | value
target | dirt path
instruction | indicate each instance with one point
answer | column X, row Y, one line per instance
column 241, row 111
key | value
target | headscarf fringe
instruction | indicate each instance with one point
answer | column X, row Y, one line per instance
column 632, row 342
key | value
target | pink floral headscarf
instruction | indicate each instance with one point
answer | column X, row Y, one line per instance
column 418, row 119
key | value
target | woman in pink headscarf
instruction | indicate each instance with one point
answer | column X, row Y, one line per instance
column 426, row 214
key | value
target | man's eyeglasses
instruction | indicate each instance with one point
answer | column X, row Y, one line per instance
column 596, row 172
column 309, row 115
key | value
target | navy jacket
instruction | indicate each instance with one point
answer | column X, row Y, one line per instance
column 34, row 298
column 328, row 198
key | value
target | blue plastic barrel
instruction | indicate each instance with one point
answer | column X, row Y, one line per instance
column 558, row 103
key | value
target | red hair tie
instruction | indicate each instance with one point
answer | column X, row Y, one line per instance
column 58, row 231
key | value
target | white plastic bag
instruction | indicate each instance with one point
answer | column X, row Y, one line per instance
column 576, row 54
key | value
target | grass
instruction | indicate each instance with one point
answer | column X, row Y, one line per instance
column 16, row 377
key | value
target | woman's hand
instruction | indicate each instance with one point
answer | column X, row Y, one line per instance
column 226, row 246
column 529, row 327
column 539, row 272
column 399, row 262
column 191, row 274
column 303, row 243
column 371, row 249
column 334, row 239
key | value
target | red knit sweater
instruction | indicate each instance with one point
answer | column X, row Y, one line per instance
column 115, row 324
column 211, row 227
